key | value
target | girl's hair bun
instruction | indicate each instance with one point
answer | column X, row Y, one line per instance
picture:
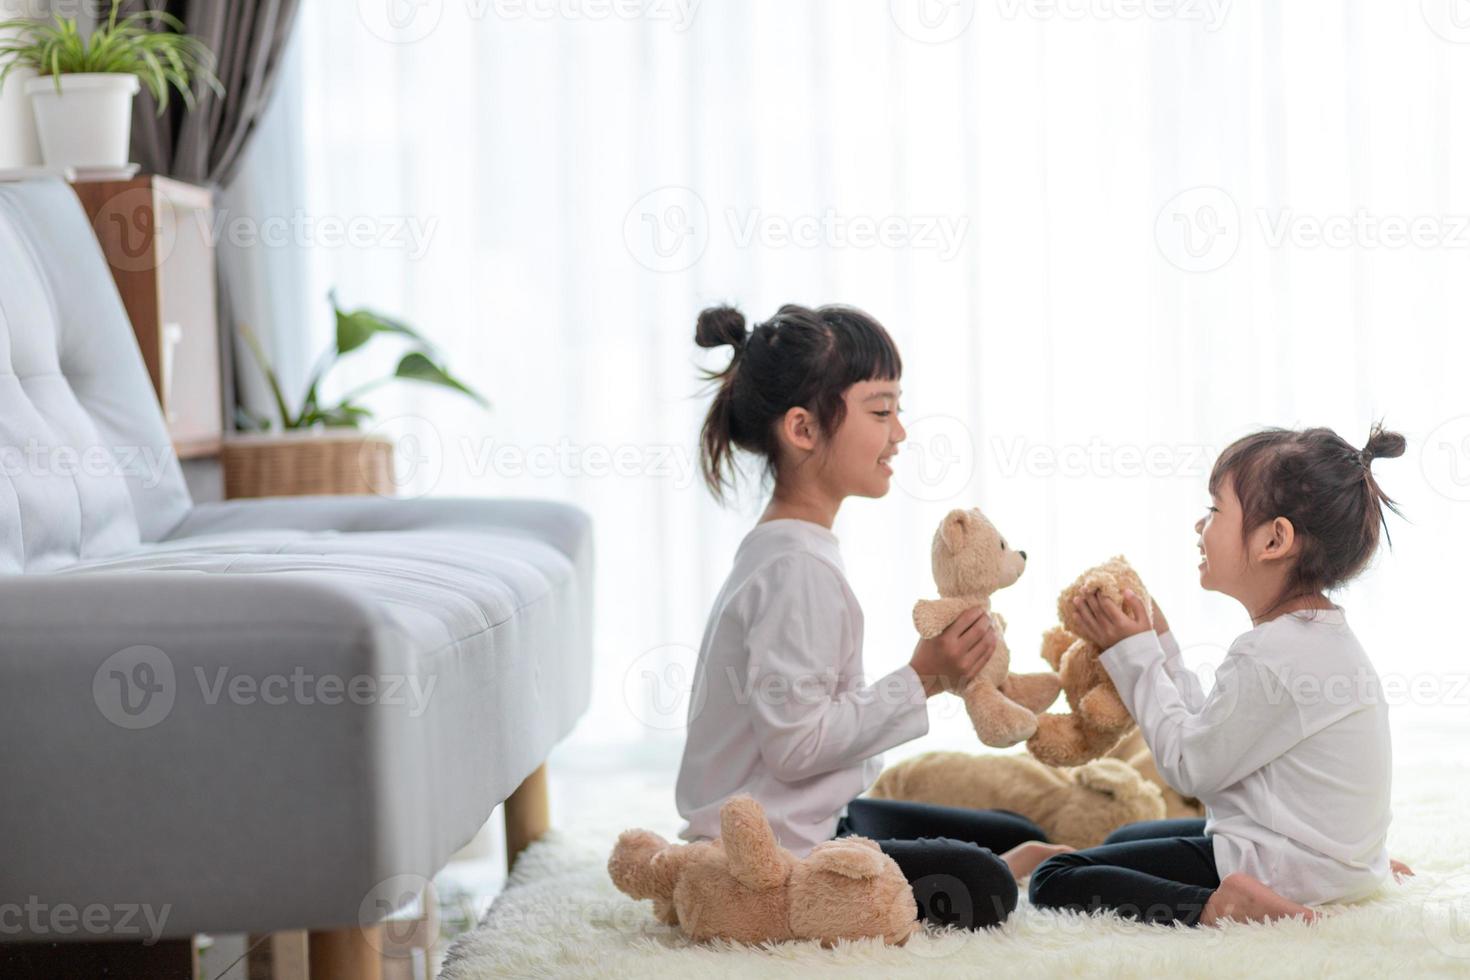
column 1382, row 444
column 800, row 356
column 720, row 325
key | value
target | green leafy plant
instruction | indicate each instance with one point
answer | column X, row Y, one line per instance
column 163, row 60
column 354, row 329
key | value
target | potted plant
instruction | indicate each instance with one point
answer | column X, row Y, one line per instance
column 18, row 147
column 83, row 91
column 320, row 448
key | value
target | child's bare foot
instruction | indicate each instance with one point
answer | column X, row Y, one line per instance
column 1024, row 858
column 1400, row 869
column 1242, row 898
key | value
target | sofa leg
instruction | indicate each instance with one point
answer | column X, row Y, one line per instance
column 346, row 954
column 527, row 815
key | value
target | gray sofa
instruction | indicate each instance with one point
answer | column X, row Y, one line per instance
column 257, row 715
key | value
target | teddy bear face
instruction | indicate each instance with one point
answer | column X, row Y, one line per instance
column 971, row 557
column 1110, row 579
column 1107, row 794
column 847, row 889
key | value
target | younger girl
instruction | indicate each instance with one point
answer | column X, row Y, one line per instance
column 780, row 708
column 1290, row 749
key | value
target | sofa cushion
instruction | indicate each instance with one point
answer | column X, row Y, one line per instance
column 86, row 467
column 437, row 587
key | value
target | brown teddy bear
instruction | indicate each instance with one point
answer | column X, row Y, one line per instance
column 1078, row 806
column 971, row 560
column 1134, row 751
column 743, row 886
column 1099, row 718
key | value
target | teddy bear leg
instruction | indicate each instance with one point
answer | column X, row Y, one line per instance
column 1103, row 709
column 999, row 721
column 1101, row 741
column 1035, row 692
column 1059, row 741
column 664, row 911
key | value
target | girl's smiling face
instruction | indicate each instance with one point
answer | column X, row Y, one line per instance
column 1222, row 552
column 1249, row 567
column 859, row 457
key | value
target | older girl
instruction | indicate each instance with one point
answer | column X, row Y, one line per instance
column 781, row 709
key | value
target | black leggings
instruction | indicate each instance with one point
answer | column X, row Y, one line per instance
column 948, row 855
column 1159, row 871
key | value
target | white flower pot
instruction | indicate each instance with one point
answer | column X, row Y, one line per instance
column 86, row 124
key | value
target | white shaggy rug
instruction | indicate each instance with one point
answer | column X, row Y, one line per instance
column 560, row 916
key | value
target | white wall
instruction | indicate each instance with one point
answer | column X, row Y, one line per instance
column 1070, row 359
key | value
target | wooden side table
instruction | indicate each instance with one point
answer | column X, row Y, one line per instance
column 156, row 235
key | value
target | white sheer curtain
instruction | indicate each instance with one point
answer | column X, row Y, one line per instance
column 1090, row 227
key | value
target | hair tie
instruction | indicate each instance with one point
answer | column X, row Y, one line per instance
column 740, row 345
column 749, row 337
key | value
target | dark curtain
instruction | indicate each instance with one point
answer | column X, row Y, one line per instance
column 204, row 146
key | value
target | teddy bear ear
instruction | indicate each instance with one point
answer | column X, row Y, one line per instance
column 851, row 857
column 1111, row 777
column 954, row 528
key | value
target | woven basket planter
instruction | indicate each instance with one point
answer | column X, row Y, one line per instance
column 297, row 464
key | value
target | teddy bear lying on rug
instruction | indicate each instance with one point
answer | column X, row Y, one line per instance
column 744, row 886
column 1134, row 751
column 1099, row 718
column 1078, row 806
column 971, row 560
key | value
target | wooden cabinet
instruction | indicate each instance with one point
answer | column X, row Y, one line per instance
column 157, row 236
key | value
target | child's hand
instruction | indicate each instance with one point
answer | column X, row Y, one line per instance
column 1103, row 623
column 1161, row 625
column 947, row 662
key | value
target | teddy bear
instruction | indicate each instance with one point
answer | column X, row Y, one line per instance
column 971, row 560
column 1134, row 751
column 744, row 887
column 1079, row 806
column 1099, row 718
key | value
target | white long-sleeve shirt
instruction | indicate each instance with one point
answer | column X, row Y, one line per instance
column 1289, row 751
column 779, row 709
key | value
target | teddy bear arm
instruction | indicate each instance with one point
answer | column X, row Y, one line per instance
column 1054, row 643
column 933, row 616
column 1035, row 692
